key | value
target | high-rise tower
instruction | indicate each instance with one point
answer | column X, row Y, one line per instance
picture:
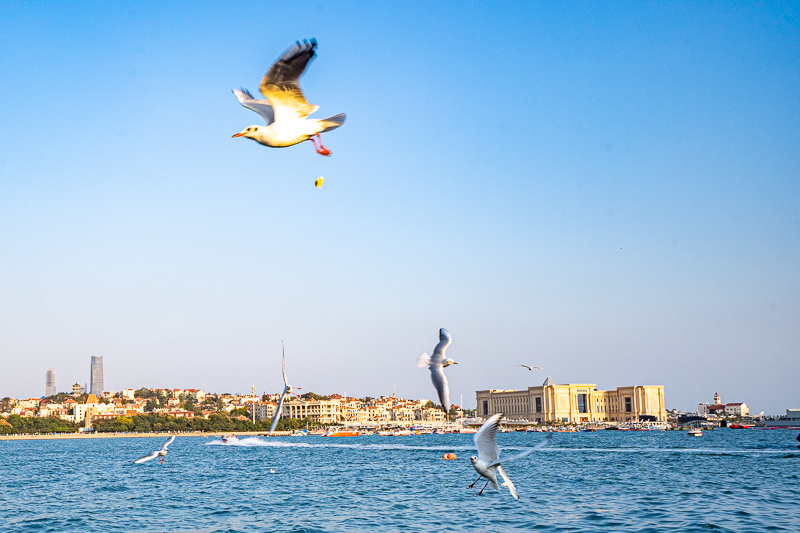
column 96, row 377
column 50, row 382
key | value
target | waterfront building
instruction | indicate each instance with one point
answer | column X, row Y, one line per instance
column 96, row 375
column 737, row 409
column 574, row 403
column 50, row 382
column 264, row 410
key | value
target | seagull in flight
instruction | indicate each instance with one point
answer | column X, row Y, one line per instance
column 436, row 363
column 488, row 461
column 161, row 452
column 285, row 108
column 530, row 367
column 287, row 389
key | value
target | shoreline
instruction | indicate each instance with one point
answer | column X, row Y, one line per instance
column 163, row 434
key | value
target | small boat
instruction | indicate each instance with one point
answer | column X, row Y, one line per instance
column 738, row 426
column 695, row 432
column 230, row 438
column 339, row 432
column 299, row 433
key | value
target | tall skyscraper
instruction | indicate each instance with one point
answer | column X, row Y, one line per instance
column 96, row 377
column 50, row 382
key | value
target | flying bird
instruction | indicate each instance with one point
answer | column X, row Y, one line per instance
column 285, row 108
column 161, row 452
column 287, row 389
column 436, row 363
column 530, row 367
column 488, row 461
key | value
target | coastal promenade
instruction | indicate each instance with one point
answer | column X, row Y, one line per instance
column 162, row 434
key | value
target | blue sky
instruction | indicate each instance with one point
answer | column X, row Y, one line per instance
column 608, row 190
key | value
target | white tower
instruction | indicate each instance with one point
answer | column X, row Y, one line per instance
column 717, row 399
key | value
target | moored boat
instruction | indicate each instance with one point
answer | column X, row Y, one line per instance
column 341, row 432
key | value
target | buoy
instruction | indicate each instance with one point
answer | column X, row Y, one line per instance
column 319, row 181
column 449, row 456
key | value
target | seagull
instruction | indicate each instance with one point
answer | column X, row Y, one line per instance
column 488, row 459
column 530, row 367
column 161, row 452
column 287, row 389
column 436, row 363
column 285, row 108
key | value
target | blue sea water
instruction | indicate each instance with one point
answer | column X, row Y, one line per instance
column 727, row 480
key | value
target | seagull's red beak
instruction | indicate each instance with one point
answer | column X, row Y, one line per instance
column 236, row 135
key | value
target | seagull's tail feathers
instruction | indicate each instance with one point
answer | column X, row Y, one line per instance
column 423, row 360
column 331, row 123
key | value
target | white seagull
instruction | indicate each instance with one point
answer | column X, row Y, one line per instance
column 285, row 108
column 161, row 452
column 530, row 367
column 488, row 459
column 287, row 389
column 436, row 363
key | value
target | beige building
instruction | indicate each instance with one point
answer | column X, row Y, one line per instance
column 574, row 403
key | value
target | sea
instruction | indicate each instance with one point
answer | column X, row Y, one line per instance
column 727, row 480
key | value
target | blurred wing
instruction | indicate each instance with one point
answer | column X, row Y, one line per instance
column 440, row 382
column 167, row 443
column 146, row 458
column 524, row 366
column 277, row 413
column 444, row 341
column 261, row 107
column 485, row 439
column 283, row 367
column 529, row 451
column 281, row 84
column 423, row 360
column 507, row 482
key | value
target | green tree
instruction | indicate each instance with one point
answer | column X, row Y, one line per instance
column 312, row 396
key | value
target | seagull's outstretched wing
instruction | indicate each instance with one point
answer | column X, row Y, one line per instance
column 277, row 412
column 146, row 458
column 261, row 107
column 423, row 360
column 281, row 84
column 507, row 482
column 444, row 341
column 529, row 451
column 283, row 367
column 485, row 439
column 167, row 443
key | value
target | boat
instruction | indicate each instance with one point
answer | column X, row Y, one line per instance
column 230, row 438
column 739, row 426
column 341, row 432
column 299, row 433
column 695, row 432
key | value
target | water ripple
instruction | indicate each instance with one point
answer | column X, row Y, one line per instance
column 606, row 481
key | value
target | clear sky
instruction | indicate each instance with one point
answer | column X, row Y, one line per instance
column 609, row 190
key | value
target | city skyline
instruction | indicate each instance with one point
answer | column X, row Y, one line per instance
column 606, row 190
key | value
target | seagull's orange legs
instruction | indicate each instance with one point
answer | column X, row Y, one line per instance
column 320, row 149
